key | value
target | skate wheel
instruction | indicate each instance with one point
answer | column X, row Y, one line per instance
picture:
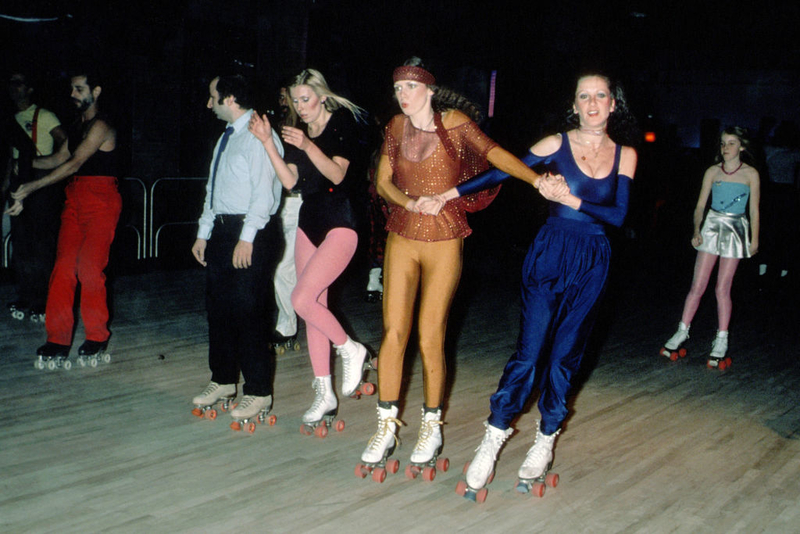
column 428, row 474
column 280, row 350
column 51, row 365
column 271, row 420
column 236, row 426
column 251, row 428
column 321, row 431
column 682, row 352
column 489, row 480
column 538, row 489
column 722, row 365
column 296, row 346
column 461, row 488
column 392, row 466
column 67, row 365
column 551, row 479
column 356, row 395
column 379, row 474
column 361, row 471
column 211, row 414
column 443, row 464
column 373, row 364
column 368, row 388
column 106, row 358
column 673, row 356
column 480, row 495
column 197, row 412
column 38, row 364
column 340, row 425
column 93, row 362
column 82, row 361
column 411, row 472
column 306, row 430
column 466, row 466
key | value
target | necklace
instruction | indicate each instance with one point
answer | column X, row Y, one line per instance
column 598, row 132
column 596, row 151
column 722, row 166
column 425, row 128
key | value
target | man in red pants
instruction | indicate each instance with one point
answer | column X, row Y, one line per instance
column 88, row 222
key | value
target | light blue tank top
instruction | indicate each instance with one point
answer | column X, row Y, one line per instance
column 729, row 197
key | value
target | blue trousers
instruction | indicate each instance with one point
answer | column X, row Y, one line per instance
column 563, row 278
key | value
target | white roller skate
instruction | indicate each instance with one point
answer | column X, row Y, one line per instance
column 533, row 473
column 374, row 285
column 52, row 356
column 251, row 409
column 381, row 445
column 425, row 457
column 717, row 358
column 319, row 418
column 93, row 352
column 354, row 365
column 480, row 471
column 213, row 394
column 673, row 348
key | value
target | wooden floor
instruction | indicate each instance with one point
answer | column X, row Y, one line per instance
column 650, row 446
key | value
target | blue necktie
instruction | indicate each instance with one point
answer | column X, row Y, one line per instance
column 222, row 143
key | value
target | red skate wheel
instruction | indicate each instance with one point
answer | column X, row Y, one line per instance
column 251, row 428
column 197, row 412
column 428, row 474
column 728, row 361
column 411, row 472
column 340, row 425
column 271, row 420
column 305, row 430
column 461, row 488
column 361, row 471
column 321, row 431
column 551, row 480
column 236, row 425
column 211, row 414
column 491, row 477
column 673, row 356
column 356, row 395
column 480, row 495
column 682, row 352
column 466, row 466
column 722, row 365
column 392, row 466
column 374, row 364
column 379, row 474
column 443, row 464
column 538, row 489
column 368, row 388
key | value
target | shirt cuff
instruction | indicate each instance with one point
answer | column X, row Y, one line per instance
column 248, row 233
column 204, row 231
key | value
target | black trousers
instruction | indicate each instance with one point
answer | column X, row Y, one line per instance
column 240, row 306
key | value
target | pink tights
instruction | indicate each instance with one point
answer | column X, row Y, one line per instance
column 702, row 273
column 317, row 269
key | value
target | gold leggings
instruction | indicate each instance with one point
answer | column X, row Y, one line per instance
column 435, row 269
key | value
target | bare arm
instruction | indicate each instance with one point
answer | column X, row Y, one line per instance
column 60, row 151
column 755, row 212
column 334, row 169
column 700, row 208
column 261, row 128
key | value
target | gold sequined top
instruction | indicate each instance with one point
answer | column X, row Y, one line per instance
column 420, row 166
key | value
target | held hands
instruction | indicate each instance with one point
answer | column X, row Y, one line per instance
column 295, row 137
column 15, row 209
column 24, row 191
column 554, row 187
column 427, row 205
column 260, row 127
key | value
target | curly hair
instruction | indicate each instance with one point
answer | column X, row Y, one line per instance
column 445, row 99
column 622, row 126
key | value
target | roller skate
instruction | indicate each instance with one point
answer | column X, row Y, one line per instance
column 381, row 445
column 251, row 409
column 213, row 394
column 673, row 348
column 480, row 471
column 355, row 364
column 425, row 457
column 374, row 285
column 93, row 352
column 533, row 473
column 286, row 343
column 52, row 356
column 319, row 418
column 36, row 315
column 717, row 358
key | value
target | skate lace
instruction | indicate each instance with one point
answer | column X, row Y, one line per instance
column 246, row 401
column 383, row 428
column 211, row 388
column 319, row 395
column 425, row 433
column 489, row 447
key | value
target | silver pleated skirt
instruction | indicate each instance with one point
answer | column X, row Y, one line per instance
column 726, row 235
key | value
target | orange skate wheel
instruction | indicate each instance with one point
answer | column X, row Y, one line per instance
column 211, row 414
column 466, row 466
column 411, row 472
column 552, row 479
column 491, row 477
column 197, row 412
column 682, row 352
column 271, row 420
column 236, row 426
column 428, row 474
column 361, row 471
column 538, row 489
column 379, row 474
column 368, row 388
column 305, row 430
column 340, row 425
column 461, row 488
column 722, row 365
column 480, row 495
column 251, row 428
column 321, row 431
column 673, row 356
column 443, row 464
column 392, row 466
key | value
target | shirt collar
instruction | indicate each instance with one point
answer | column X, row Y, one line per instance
column 241, row 122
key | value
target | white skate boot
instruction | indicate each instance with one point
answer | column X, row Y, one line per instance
column 204, row 403
column 673, row 348
column 353, row 355
column 533, row 473
column 425, row 457
column 717, row 358
column 319, row 418
column 250, row 410
column 374, row 286
column 381, row 445
column 480, row 471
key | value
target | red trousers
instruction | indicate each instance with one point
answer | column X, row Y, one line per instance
column 88, row 222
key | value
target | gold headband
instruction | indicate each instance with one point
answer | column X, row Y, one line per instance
column 418, row 74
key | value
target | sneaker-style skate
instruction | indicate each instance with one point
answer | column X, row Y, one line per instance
column 381, row 445
column 355, row 363
column 533, row 473
column 673, row 348
column 284, row 345
column 425, row 457
column 93, row 352
column 213, row 394
column 319, row 418
column 52, row 356
column 252, row 409
column 717, row 359
column 480, row 471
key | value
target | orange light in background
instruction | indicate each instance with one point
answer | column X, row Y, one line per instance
column 650, row 137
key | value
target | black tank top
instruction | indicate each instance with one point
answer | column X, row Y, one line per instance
column 101, row 163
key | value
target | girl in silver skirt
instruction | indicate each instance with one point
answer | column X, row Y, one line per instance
column 726, row 234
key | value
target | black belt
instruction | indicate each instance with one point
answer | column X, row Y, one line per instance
column 293, row 194
column 228, row 219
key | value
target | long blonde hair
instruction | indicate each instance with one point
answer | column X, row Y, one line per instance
column 314, row 79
